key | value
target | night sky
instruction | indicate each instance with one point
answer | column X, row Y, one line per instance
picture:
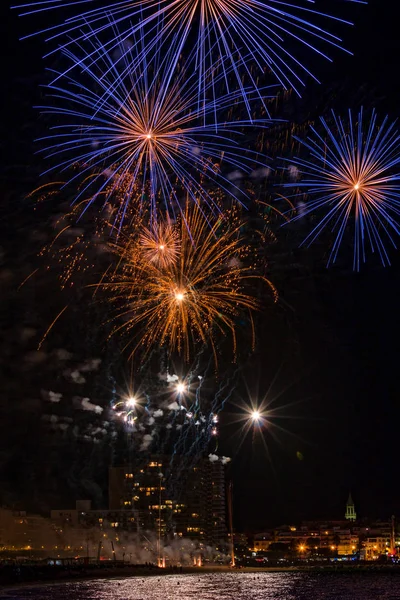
column 327, row 353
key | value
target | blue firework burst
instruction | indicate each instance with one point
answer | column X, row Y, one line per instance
column 352, row 179
column 144, row 132
column 233, row 34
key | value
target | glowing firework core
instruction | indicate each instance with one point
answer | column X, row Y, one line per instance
column 180, row 388
column 255, row 415
column 179, row 296
column 131, row 402
column 357, row 186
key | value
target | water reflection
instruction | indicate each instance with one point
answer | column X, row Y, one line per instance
column 223, row 586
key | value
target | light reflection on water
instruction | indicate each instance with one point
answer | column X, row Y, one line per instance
column 223, row 586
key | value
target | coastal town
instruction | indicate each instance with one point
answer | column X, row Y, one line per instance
column 147, row 523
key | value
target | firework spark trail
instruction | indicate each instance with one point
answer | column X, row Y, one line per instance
column 353, row 178
column 224, row 393
column 192, row 300
column 27, row 278
column 232, row 34
column 199, row 420
column 50, row 327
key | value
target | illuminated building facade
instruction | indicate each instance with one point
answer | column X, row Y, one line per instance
column 20, row 532
column 262, row 541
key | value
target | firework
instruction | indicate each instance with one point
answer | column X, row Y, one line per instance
column 352, row 179
column 160, row 244
column 232, row 35
column 145, row 128
column 191, row 300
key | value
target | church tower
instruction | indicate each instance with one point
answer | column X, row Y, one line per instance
column 351, row 514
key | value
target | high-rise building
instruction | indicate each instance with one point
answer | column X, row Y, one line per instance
column 191, row 504
column 215, row 501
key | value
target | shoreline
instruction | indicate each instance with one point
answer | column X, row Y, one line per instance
column 141, row 572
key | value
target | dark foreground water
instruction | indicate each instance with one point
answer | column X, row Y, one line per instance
column 223, row 586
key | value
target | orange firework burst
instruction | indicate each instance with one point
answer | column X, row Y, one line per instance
column 160, row 244
column 191, row 298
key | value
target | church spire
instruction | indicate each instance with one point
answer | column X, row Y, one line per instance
column 351, row 514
